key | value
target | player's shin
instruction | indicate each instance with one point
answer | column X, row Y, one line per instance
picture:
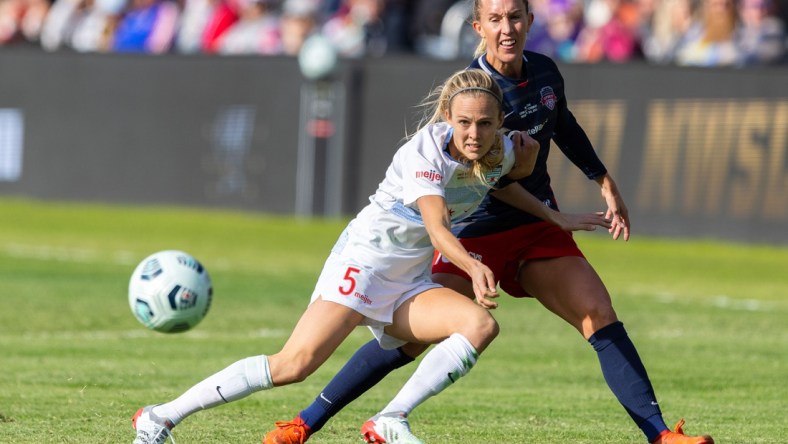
column 441, row 367
column 237, row 381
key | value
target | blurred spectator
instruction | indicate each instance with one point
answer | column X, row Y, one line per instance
column 357, row 29
column 148, row 26
column 59, row 23
column 669, row 24
column 82, row 25
column 711, row 38
column 438, row 28
column 426, row 23
column 255, row 32
column 222, row 16
column 95, row 29
column 556, row 26
column 761, row 36
column 195, row 15
column 645, row 12
column 33, row 19
column 609, row 32
column 683, row 32
column 21, row 20
column 397, row 16
column 10, row 15
column 300, row 18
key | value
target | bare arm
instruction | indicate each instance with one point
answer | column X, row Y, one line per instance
column 436, row 219
column 616, row 218
column 518, row 197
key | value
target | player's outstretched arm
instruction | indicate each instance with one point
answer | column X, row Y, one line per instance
column 580, row 221
column 436, row 219
column 518, row 197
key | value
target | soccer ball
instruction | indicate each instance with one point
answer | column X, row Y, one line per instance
column 170, row 291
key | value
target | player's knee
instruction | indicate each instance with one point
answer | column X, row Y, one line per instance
column 597, row 316
column 601, row 313
column 480, row 330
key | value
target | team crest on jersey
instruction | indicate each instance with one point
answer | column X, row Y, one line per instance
column 549, row 98
column 494, row 175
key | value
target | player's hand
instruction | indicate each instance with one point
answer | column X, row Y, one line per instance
column 617, row 211
column 484, row 286
column 526, row 151
column 582, row 222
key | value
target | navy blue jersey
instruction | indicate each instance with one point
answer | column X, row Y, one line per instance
column 535, row 104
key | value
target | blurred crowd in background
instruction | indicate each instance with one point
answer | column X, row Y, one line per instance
column 682, row 32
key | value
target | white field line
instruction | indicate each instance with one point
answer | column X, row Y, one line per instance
column 83, row 255
column 65, row 254
column 108, row 335
column 718, row 301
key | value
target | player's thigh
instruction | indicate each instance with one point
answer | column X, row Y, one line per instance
column 432, row 316
column 456, row 282
column 321, row 329
column 570, row 287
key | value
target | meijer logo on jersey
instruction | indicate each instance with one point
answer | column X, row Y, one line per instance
column 430, row 175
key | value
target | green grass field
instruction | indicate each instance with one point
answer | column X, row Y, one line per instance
column 710, row 321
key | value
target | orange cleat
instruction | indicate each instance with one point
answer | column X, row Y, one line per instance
column 288, row 432
column 677, row 436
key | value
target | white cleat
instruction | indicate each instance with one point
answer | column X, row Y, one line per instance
column 388, row 429
column 151, row 428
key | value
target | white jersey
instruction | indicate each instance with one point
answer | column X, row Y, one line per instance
column 384, row 256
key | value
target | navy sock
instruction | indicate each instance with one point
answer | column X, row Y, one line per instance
column 627, row 378
column 368, row 366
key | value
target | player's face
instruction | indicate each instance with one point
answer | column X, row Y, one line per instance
column 475, row 119
column 503, row 24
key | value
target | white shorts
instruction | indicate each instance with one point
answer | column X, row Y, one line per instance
column 371, row 280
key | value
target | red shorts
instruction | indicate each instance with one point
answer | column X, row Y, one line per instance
column 504, row 252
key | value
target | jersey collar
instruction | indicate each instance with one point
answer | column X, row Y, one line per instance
column 485, row 65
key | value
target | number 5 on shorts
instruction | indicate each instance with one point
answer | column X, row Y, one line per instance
column 351, row 281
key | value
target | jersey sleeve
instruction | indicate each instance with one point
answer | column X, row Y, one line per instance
column 423, row 173
column 574, row 143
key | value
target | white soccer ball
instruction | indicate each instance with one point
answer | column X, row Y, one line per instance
column 170, row 291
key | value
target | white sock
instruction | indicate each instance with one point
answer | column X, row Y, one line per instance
column 237, row 381
column 441, row 367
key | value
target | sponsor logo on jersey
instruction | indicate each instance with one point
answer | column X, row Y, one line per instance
column 549, row 98
column 431, row 175
column 536, row 129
